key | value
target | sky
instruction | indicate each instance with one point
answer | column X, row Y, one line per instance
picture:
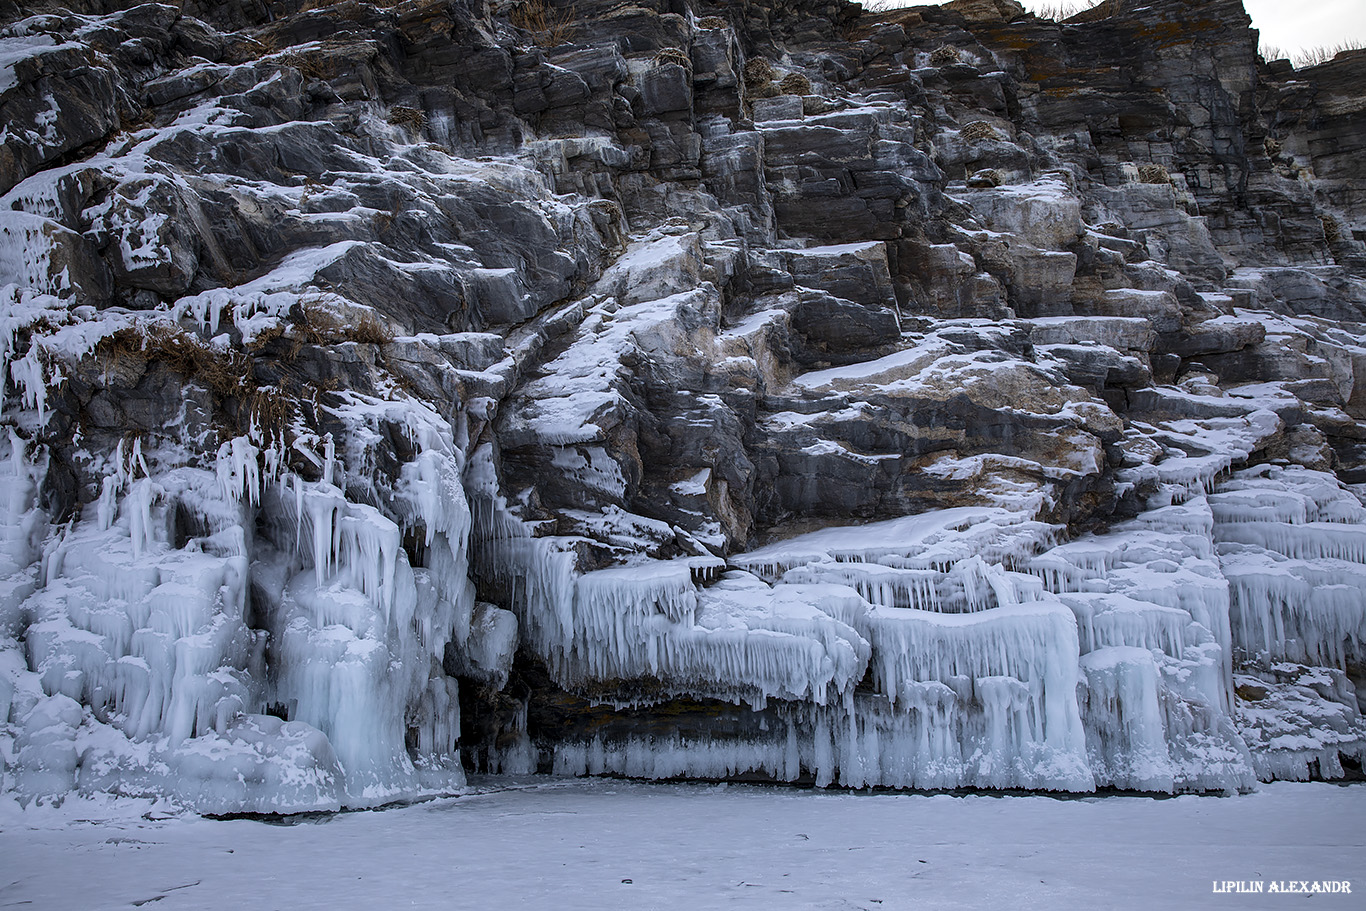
column 1292, row 25
column 1298, row 24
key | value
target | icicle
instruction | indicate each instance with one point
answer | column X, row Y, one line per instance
column 137, row 460
column 142, row 494
column 120, row 472
column 239, row 471
column 107, row 507
column 329, row 458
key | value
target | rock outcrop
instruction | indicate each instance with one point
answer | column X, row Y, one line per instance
column 938, row 397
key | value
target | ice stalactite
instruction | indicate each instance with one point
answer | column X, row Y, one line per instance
column 1313, row 612
column 1126, row 730
column 1309, row 541
column 1152, row 610
column 673, row 757
column 1012, row 672
column 1109, row 663
column 735, row 640
column 23, row 529
column 982, row 679
column 884, row 586
column 1197, row 453
column 936, row 540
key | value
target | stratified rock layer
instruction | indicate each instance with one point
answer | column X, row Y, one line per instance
column 943, row 397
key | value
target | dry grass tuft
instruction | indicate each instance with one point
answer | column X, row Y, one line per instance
column 758, row 71
column 315, row 323
column 552, row 26
column 978, row 130
column 224, row 372
column 673, row 55
column 1332, row 232
column 944, row 56
column 1154, row 173
column 986, row 178
column 410, row 118
column 227, row 374
column 307, row 65
column 795, row 84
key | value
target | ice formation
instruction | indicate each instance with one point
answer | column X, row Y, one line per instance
column 968, row 647
column 1106, row 661
column 630, row 406
column 148, row 636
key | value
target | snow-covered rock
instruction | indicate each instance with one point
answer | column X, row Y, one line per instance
column 931, row 398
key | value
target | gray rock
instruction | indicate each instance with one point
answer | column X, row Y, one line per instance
column 779, row 107
column 665, row 89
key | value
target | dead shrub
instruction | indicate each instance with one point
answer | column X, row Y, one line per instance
column 1315, row 56
column 1154, row 173
column 1061, row 12
column 978, row 130
column 795, row 84
column 944, row 56
column 409, row 118
column 551, row 26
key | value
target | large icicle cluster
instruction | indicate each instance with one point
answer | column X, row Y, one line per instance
column 1152, row 610
column 171, row 649
column 975, row 688
column 1103, row 662
column 1290, row 544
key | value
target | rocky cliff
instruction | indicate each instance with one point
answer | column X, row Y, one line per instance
column 943, row 397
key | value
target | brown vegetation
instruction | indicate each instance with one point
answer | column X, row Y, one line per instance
column 795, row 84
column 1154, row 173
column 673, row 55
column 552, row 26
column 944, row 56
column 315, row 323
column 978, row 130
column 404, row 116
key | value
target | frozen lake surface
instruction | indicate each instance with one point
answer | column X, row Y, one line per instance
column 596, row 844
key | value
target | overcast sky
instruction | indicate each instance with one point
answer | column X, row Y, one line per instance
column 1298, row 24
column 1291, row 25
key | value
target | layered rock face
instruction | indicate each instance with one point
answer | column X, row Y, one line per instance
column 934, row 398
